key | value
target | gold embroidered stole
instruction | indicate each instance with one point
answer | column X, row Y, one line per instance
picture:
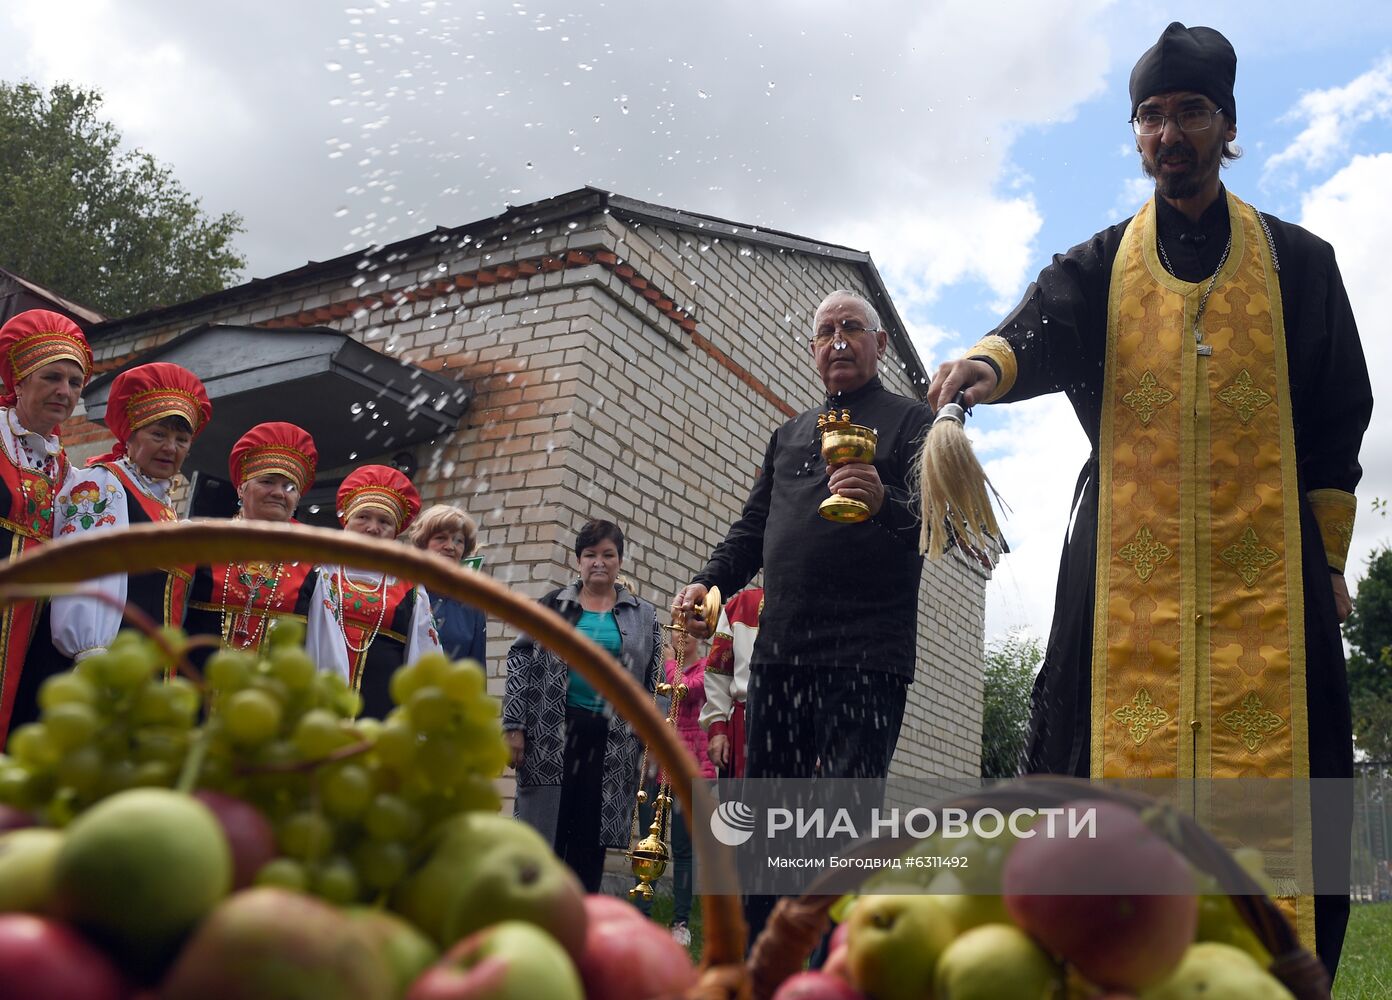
column 1198, row 663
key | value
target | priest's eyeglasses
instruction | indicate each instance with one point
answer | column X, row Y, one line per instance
column 1188, row 120
column 842, row 327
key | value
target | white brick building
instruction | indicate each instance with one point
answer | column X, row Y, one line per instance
column 614, row 359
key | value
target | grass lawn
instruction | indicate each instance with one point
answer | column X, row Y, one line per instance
column 1365, row 969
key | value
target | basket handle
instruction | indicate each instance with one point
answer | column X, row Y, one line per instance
column 147, row 547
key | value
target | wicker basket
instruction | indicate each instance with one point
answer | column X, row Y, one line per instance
column 796, row 924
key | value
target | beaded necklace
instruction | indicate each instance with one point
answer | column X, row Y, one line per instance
column 254, row 578
column 380, row 589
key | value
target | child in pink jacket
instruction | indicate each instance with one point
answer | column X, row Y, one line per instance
column 691, row 733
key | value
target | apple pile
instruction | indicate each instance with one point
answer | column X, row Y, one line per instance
column 253, row 840
column 1011, row 926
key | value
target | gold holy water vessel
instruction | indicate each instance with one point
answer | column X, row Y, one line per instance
column 649, row 856
column 844, row 442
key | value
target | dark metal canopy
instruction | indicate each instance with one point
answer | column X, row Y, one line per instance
column 354, row 401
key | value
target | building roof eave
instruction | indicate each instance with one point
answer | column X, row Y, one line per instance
column 632, row 208
column 581, row 201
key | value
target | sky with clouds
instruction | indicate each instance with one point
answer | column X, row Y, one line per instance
column 961, row 143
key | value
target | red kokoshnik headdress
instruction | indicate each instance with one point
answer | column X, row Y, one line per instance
column 275, row 448
column 37, row 337
column 380, row 487
column 149, row 393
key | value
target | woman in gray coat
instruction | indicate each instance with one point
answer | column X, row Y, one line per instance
column 577, row 762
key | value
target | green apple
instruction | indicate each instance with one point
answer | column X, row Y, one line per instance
column 483, row 869
column 512, row 960
column 968, row 905
column 405, row 950
column 27, row 857
column 138, row 870
column 994, row 961
column 1219, row 919
column 1210, row 969
column 894, row 944
column 274, row 944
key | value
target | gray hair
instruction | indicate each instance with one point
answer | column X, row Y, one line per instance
column 871, row 317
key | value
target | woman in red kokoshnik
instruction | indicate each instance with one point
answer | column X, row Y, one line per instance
column 273, row 465
column 44, row 362
column 381, row 621
column 155, row 411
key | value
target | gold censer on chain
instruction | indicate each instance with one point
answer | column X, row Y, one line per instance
column 649, row 856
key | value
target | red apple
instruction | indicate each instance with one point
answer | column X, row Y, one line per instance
column 817, row 986
column 837, row 963
column 513, row 960
column 249, row 834
column 630, row 959
column 15, row 819
column 273, row 944
column 42, row 959
column 1120, row 906
column 602, row 908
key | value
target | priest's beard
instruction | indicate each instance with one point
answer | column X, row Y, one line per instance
column 1187, row 184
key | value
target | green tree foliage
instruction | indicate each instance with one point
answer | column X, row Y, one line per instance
column 113, row 230
column 1011, row 663
column 1369, row 634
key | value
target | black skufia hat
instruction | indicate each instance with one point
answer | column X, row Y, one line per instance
column 1197, row 59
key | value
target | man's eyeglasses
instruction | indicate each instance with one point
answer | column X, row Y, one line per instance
column 842, row 327
column 1188, row 120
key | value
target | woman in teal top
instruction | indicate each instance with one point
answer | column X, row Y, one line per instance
column 577, row 762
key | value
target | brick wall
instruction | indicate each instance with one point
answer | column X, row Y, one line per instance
column 621, row 370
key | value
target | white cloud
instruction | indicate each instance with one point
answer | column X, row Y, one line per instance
column 890, row 132
column 927, row 249
column 1332, row 116
column 1135, row 192
column 1032, row 454
column 1352, row 211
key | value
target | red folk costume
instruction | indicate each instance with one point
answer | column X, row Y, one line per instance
column 239, row 601
column 116, row 492
column 32, row 469
column 727, row 672
column 382, row 621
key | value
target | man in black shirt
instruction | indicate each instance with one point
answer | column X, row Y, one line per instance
column 835, row 650
column 837, row 634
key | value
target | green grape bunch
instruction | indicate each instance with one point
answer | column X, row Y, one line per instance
column 352, row 801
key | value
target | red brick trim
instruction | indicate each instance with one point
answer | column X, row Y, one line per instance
column 743, row 374
column 497, row 274
column 545, row 264
column 512, row 271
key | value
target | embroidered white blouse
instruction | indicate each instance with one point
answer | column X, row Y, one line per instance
column 325, row 639
column 27, row 448
column 94, row 499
